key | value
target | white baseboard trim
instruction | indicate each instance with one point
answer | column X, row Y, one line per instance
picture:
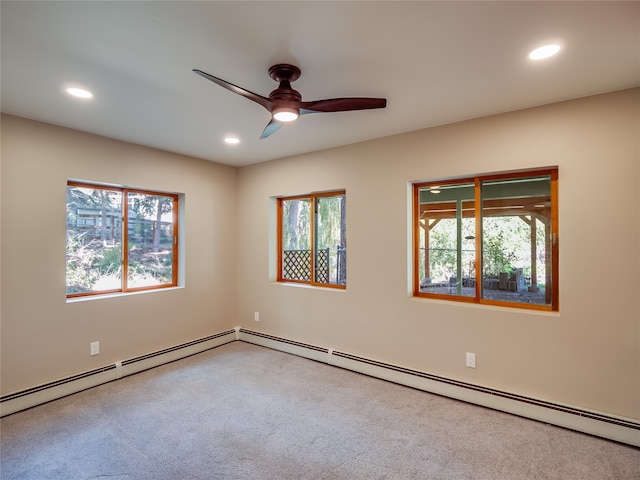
column 23, row 399
column 608, row 426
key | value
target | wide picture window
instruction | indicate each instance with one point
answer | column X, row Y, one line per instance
column 120, row 239
column 312, row 239
column 489, row 240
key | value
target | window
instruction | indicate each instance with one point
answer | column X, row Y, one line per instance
column 491, row 239
column 312, row 239
column 120, row 239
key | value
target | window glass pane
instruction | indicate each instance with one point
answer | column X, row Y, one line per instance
column 516, row 240
column 446, row 253
column 94, row 233
column 331, row 240
column 150, row 240
column 296, row 239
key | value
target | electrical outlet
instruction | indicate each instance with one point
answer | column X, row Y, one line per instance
column 95, row 348
column 256, row 316
column 471, row 360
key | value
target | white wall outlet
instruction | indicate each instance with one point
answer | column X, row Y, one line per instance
column 95, row 348
column 256, row 316
column 471, row 360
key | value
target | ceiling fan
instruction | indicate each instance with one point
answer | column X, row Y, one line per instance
column 285, row 104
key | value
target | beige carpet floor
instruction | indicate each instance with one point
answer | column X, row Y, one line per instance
column 241, row 411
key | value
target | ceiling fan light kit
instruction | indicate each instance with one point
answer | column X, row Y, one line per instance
column 285, row 104
column 285, row 114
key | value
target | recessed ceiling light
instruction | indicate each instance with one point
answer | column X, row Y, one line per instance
column 79, row 92
column 232, row 140
column 545, row 51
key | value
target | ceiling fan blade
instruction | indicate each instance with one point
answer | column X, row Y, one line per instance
column 342, row 104
column 265, row 102
column 271, row 127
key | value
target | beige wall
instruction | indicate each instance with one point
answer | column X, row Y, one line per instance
column 587, row 355
column 43, row 336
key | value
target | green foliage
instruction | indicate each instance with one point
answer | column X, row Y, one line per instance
column 89, row 262
column 296, row 228
column 496, row 259
column 328, row 219
column 443, row 252
column 506, row 246
column 109, row 260
column 148, row 206
column 296, row 223
column 147, row 267
column 92, row 266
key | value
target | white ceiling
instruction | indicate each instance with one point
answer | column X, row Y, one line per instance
column 435, row 62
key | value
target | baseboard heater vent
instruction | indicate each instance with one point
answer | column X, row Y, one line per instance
column 490, row 391
column 595, row 423
column 620, row 429
column 57, row 383
column 281, row 340
column 47, row 392
column 177, row 347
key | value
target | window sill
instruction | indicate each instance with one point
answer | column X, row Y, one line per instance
column 485, row 306
column 120, row 294
column 335, row 288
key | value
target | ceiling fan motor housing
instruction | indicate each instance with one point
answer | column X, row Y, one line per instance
column 284, row 94
column 284, row 72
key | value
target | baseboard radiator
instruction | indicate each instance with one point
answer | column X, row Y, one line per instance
column 616, row 428
column 37, row 395
column 603, row 425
